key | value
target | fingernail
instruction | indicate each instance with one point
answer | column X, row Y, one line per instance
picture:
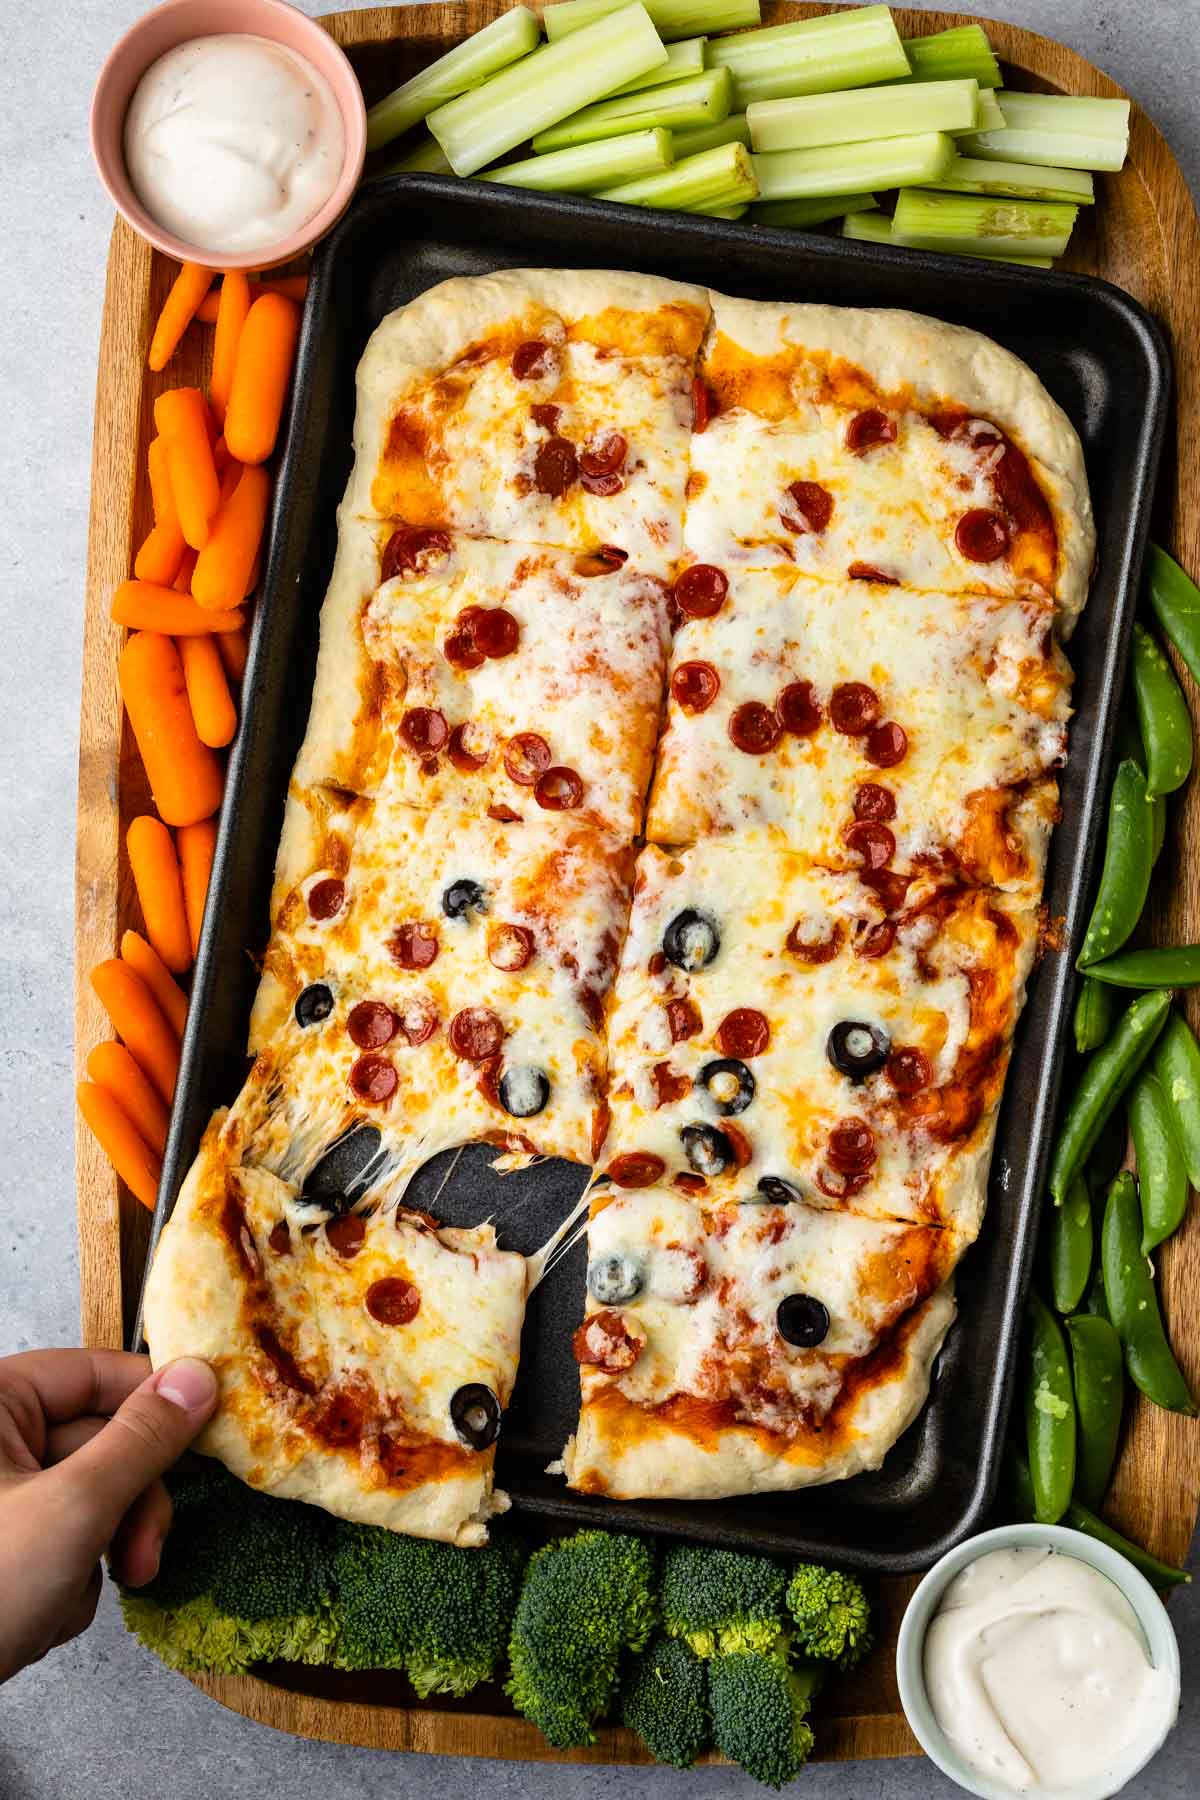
column 189, row 1384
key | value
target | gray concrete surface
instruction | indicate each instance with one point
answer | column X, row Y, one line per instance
column 100, row 1719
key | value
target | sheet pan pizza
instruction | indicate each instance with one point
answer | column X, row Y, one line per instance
column 675, row 799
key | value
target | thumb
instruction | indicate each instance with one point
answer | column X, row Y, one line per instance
column 149, row 1432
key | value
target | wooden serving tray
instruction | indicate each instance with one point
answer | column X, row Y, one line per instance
column 1144, row 236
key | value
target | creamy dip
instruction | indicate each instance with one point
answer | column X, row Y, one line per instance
column 233, row 142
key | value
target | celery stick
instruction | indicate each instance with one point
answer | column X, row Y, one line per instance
column 855, row 116
column 512, row 35
column 720, row 177
column 800, row 214
column 971, row 225
column 733, row 130
column 1062, row 130
column 1020, row 181
column 671, row 18
column 684, row 58
column 552, row 83
column 585, row 167
column 851, row 168
column 700, row 100
column 812, row 56
column 989, row 116
column 953, row 55
column 428, row 158
column 872, row 227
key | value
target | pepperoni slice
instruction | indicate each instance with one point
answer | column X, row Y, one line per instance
column 861, row 571
column 533, row 359
column 1023, row 499
column 669, row 1086
column 695, row 686
column 877, row 941
column 526, row 756
column 798, row 709
column 603, row 485
column 418, row 1021
column 981, row 536
column 393, row 1301
column 909, row 1071
column 559, row 790
column 346, row 1234
column 465, row 760
column 810, row 508
column 889, row 888
column 873, row 842
column 410, row 548
column 371, row 1024
column 555, row 467
column 476, row 1033
column 683, row 1019
column 460, row 649
column 853, row 708
column 509, row 947
column 704, row 404
column 545, row 415
column 871, row 801
column 700, row 591
column 373, row 1078
column 851, row 1147
column 326, row 898
column 803, row 943
column 606, row 457
column 839, row 1186
column 636, row 1169
column 503, row 815
column 414, row 945
column 496, row 631
column 424, row 729
column 868, row 429
column 886, row 745
column 605, row 1342
column 601, row 561
column 743, row 1032
column 754, row 728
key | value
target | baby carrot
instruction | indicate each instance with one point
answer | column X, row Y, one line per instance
column 224, row 566
column 196, row 846
column 125, row 1148
column 261, row 374
column 160, row 890
column 139, row 1024
column 145, row 961
column 183, row 579
column 233, row 651
column 212, row 706
column 209, row 307
column 159, row 555
column 185, row 776
column 190, row 286
column 146, row 606
column 183, row 419
column 112, row 1068
column 232, row 307
column 162, row 499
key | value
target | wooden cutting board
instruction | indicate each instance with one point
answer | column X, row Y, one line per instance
column 1143, row 236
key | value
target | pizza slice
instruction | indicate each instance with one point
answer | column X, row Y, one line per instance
column 364, row 1359
column 884, row 446
column 774, row 1029
column 536, row 405
column 872, row 727
column 742, row 1347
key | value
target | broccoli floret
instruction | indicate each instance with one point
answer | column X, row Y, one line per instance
column 759, row 1712
column 664, row 1698
column 195, row 1634
column 831, row 1613
column 584, row 1600
column 719, row 1601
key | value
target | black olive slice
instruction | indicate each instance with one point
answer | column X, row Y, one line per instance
column 524, row 1091
column 692, row 940
column 707, row 1149
column 778, row 1191
column 729, row 1085
column 475, row 1415
column 340, row 1177
column 314, row 1004
column 857, row 1049
column 803, row 1320
column 462, row 898
column 614, row 1280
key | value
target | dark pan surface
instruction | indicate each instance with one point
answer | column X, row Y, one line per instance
column 1103, row 359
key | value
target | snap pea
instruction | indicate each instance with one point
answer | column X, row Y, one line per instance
column 1095, row 1010
column 1049, row 1413
column 1167, row 966
column 1162, row 1177
column 1175, row 602
column 1108, row 1154
column 1164, row 722
column 1128, row 862
column 1017, row 1486
column 1099, row 1373
column 1133, row 1302
column 1070, row 1246
column 1106, row 1075
column 1177, row 1064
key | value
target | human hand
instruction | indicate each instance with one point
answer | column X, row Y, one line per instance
column 84, row 1436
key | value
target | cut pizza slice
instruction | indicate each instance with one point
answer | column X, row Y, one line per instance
column 364, row 1361
column 738, row 1348
column 773, row 1029
column 888, row 447
column 874, row 728
column 536, row 405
